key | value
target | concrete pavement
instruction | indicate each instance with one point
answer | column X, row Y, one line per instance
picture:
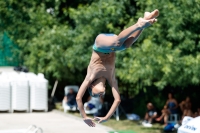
column 51, row 122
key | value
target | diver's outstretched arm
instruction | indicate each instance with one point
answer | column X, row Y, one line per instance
column 115, row 104
column 79, row 101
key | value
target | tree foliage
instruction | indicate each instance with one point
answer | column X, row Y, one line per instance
column 56, row 38
column 167, row 52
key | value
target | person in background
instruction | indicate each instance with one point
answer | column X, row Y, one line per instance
column 171, row 107
column 185, row 107
column 165, row 115
column 197, row 113
column 150, row 115
column 94, row 102
column 70, row 98
column 172, row 104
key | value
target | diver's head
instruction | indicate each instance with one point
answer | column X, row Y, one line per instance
column 97, row 88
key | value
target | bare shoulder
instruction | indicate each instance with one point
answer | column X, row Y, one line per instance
column 167, row 101
column 174, row 100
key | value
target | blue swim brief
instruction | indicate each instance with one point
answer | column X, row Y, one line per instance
column 110, row 48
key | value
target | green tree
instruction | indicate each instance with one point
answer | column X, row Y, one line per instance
column 168, row 52
column 59, row 42
column 64, row 50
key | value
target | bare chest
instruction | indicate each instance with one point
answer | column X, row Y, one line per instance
column 101, row 66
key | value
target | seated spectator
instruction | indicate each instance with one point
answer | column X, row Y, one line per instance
column 171, row 107
column 70, row 98
column 196, row 114
column 185, row 107
column 165, row 115
column 94, row 102
column 198, row 111
column 150, row 115
column 172, row 104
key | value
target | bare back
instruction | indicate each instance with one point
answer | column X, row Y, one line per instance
column 101, row 65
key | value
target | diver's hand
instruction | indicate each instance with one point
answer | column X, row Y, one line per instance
column 89, row 121
column 100, row 119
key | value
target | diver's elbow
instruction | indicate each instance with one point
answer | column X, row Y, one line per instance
column 78, row 98
column 118, row 101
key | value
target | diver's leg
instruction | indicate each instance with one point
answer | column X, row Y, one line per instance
column 129, row 35
column 131, row 39
column 104, row 40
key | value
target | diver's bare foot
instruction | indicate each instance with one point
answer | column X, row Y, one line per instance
column 150, row 15
column 143, row 23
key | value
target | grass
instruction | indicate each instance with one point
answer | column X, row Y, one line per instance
column 132, row 126
column 124, row 124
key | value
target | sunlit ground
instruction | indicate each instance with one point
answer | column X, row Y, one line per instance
column 125, row 124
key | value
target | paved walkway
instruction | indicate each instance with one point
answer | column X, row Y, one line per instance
column 50, row 122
